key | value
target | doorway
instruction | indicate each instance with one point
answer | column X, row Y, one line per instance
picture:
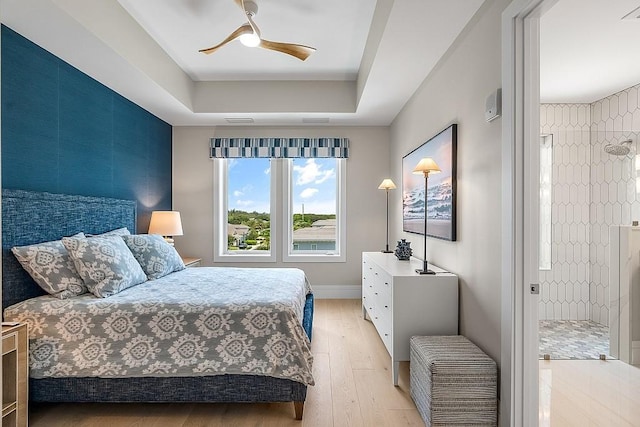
column 521, row 157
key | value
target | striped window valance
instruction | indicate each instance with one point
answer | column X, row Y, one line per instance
column 279, row 147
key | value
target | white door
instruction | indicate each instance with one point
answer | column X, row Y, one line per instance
column 521, row 172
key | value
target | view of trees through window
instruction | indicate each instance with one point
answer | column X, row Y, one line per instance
column 249, row 206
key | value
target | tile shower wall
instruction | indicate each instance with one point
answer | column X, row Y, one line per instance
column 565, row 287
column 614, row 197
column 579, row 276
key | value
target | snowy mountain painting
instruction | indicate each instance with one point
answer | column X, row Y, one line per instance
column 441, row 190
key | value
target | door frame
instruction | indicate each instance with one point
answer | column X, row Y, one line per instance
column 520, row 210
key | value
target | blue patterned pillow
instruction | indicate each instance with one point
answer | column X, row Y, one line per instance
column 105, row 264
column 50, row 266
column 124, row 231
column 157, row 257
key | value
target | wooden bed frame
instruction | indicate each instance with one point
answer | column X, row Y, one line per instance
column 33, row 217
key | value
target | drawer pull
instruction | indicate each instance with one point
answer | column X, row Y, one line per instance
column 376, row 273
column 386, row 306
column 376, row 293
column 386, row 335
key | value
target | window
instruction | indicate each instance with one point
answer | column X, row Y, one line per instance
column 546, row 188
column 315, row 214
column 244, row 212
column 303, row 197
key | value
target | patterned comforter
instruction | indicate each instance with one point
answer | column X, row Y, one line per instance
column 198, row 321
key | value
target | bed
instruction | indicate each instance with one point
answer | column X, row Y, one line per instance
column 32, row 217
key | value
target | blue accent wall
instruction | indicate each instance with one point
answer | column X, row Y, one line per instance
column 64, row 132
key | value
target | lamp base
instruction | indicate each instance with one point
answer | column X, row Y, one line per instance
column 169, row 240
column 386, row 251
column 425, row 268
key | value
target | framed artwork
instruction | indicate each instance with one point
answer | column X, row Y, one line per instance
column 441, row 194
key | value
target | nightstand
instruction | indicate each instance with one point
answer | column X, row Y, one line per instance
column 15, row 372
column 191, row 262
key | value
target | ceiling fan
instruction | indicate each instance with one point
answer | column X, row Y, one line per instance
column 249, row 35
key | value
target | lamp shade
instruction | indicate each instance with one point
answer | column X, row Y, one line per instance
column 165, row 223
column 387, row 184
column 426, row 165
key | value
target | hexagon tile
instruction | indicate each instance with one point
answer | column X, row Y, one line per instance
column 591, row 190
column 565, row 287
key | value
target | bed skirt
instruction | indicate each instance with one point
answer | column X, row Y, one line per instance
column 218, row 388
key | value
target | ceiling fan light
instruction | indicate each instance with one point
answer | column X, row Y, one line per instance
column 250, row 39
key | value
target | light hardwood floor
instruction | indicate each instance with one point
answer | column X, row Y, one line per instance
column 589, row 393
column 353, row 388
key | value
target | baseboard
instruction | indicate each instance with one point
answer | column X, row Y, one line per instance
column 635, row 353
column 337, row 291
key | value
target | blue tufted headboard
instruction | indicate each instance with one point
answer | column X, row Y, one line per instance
column 31, row 217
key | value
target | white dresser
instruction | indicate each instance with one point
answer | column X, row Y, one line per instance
column 402, row 303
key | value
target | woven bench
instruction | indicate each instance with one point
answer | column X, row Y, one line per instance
column 453, row 382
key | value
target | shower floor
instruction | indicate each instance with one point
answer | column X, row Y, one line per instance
column 573, row 339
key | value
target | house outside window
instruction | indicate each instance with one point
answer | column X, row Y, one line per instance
column 320, row 236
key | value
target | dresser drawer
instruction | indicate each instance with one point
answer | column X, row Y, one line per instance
column 367, row 288
column 9, row 343
column 383, row 326
column 383, row 307
column 368, row 304
column 379, row 276
column 385, row 335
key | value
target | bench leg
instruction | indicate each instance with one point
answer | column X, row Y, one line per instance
column 299, row 408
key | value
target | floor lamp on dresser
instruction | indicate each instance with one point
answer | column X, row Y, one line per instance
column 387, row 185
column 425, row 167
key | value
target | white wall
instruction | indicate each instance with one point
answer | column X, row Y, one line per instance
column 367, row 166
column 455, row 92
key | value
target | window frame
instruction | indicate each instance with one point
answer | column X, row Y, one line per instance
column 281, row 216
column 221, row 209
column 339, row 255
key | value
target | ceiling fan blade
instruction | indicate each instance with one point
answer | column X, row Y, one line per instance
column 299, row 51
column 244, row 28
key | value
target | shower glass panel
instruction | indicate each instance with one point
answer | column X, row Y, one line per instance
column 615, row 202
column 546, row 167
